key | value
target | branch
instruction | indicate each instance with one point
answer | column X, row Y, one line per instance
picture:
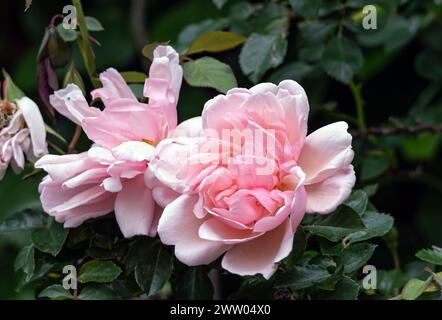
column 399, row 129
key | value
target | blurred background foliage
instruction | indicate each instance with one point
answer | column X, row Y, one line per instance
column 386, row 83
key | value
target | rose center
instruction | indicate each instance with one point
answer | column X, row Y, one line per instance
column 7, row 111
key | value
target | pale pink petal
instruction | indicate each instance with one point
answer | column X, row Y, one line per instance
column 215, row 230
column 133, row 151
column 114, row 127
column 260, row 255
column 164, row 83
column 325, row 196
column 164, row 195
column 298, row 208
column 134, row 208
column 114, row 86
column 178, row 226
column 271, row 222
column 90, row 176
column 325, row 151
column 3, row 168
column 34, row 122
column 169, row 158
column 101, row 155
column 87, row 196
column 112, row 184
column 76, row 216
column 62, row 168
column 189, row 128
column 71, row 103
column 294, row 101
column 223, row 111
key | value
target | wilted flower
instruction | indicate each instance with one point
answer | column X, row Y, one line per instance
column 22, row 132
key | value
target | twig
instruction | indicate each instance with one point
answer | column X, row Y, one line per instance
column 74, row 140
column 399, row 129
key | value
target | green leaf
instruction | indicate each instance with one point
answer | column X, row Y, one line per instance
column 299, row 246
column 27, row 219
column 211, row 73
column 356, row 256
column 376, row 224
column 358, row 201
column 374, row 166
column 219, row 3
column 12, row 91
column 50, row 238
column 68, row 35
column 346, row 289
column 307, row 8
column 341, row 59
column 389, row 281
column 261, row 53
column 254, row 288
column 337, row 225
column 301, row 277
column 191, row 32
column 422, row 147
column 314, row 32
column 155, row 270
column 194, row 284
column 73, row 76
column 216, row 41
column 428, row 64
column 134, row 76
column 93, row 24
column 331, row 248
column 25, row 261
column 55, row 292
column 311, row 52
column 414, row 288
column 98, row 292
column 99, row 271
column 294, row 71
column 433, row 256
column 137, row 252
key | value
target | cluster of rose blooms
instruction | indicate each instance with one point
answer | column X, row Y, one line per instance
column 196, row 187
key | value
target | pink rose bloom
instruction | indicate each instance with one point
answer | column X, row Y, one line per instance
column 247, row 203
column 110, row 176
column 22, row 132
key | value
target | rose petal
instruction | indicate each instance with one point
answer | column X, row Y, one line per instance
column 178, row 226
column 260, row 255
column 134, row 208
column 325, row 151
column 325, row 196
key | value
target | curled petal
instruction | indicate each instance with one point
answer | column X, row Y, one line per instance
column 35, row 123
column 71, row 103
column 325, row 152
column 114, row 86
column 325, row 196
column 178, row 226
column 260, row 255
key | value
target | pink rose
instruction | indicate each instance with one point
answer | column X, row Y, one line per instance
column 243, row 184
column 22, row 132
column 109, row 177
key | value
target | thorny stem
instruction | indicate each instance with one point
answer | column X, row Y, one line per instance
column 360, row 134
column 359, row 103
